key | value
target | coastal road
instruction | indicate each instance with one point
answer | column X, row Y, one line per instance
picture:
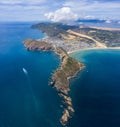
column 98, row 44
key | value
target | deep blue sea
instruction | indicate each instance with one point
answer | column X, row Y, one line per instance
column 26, row 99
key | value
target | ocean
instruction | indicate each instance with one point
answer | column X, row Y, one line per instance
column 96, row 91
column 26, row 99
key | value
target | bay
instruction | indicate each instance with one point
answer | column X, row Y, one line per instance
column 96, row 90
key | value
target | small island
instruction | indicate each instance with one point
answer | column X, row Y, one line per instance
column 64, row 39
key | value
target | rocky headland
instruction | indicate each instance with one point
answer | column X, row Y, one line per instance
column 37, row 45
column 68, row 68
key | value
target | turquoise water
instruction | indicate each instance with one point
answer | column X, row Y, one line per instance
column 96, row 91
column 26, row 99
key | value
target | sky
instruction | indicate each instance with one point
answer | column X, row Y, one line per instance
column 58, row 10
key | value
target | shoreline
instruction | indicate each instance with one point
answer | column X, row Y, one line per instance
column 95, row 48
column 105, row 28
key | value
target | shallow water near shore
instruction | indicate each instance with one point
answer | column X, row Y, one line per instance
column 96, row 90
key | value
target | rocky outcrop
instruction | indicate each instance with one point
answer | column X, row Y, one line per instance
column 68, row 69
column 31, row 44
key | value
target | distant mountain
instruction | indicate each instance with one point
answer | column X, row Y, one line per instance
column 90, row 21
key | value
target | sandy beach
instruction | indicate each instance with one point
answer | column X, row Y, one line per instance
column 105, row 28
column 95, row 48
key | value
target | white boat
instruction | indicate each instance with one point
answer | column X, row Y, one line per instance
column 24, row 70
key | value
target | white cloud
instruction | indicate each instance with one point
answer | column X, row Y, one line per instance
column 59, row 10
column 118, row 22
column 62, row 14
column 11, row 2
column 84, row 4
column 88, row 17
column 96, row 8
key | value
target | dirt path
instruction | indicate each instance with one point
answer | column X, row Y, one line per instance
column 98, row 44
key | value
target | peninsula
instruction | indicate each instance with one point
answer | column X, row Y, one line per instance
column 60, row 79
column 64, row 39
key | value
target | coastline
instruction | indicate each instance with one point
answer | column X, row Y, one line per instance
column 91, row 86
column 68, row 111
column 43, row 38
column 105, row 28
column 60, row 45
column 95, row 48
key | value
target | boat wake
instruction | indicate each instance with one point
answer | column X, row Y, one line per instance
column 31, row 89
